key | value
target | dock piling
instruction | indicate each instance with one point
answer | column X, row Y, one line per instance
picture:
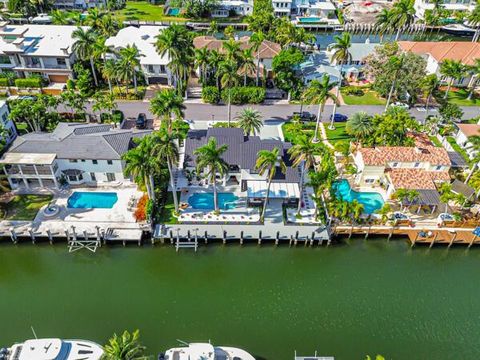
column 50, row 237
column 32, row 235
column 260, row 237
column 241, row 237
column 13, row 235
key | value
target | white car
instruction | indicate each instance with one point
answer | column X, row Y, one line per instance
column 400, row 105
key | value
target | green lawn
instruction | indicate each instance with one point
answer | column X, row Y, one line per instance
column 339, row 134
column 144, row 11
column 292, row 131
column 458, row 149
column 167, row 214
column 460, row 96
column 369, row 97
column 24, row 207
column 435, row 141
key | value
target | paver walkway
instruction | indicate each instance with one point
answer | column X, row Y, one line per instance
column 323, row 134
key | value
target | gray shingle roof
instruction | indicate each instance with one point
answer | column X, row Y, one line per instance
column 242, row 150
column 79, row 141
column 462, row 188
column 457, row 160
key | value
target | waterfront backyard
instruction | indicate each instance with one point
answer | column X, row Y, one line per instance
column 340, row 300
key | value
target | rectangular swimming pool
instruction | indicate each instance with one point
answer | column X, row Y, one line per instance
column 371, row 201
column 204, row 201
column 92, row 200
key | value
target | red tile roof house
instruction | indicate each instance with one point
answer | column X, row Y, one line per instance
column 435, row 52
column 418, row 168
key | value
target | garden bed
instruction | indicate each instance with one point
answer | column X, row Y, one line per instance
column 367, row 97
column 24, row 207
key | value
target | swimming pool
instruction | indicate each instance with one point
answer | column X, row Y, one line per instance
column 92, row 200
column 173, row 11
column 204, row 201
column 371, row 201
column 310, row 19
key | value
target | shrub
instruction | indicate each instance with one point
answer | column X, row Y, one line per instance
column 28, row 83
column 355, row 91
column 121, row 93
column 244, row 95
column 3, row 82
column 210, row 95
column 140, row 213
column 224, row 124
column 118, row 116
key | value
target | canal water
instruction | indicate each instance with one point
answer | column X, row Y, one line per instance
column 349, row 300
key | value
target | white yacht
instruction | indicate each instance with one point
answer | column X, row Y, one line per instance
column 206, row 351
column 53, row 349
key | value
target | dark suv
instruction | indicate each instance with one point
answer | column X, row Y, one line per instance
column 141, row 121
column 304, row 116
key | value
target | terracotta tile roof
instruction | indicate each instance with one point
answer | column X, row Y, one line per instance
column 464, row 51
column 380, row 156
column 416, row 179
column 469, row 129
column 267, row 50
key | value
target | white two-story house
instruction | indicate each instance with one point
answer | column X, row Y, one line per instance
column 454, row 5
column 38, row 49
column 9, row 131
column 462, row 138
column 233, row 7
column 75, row 153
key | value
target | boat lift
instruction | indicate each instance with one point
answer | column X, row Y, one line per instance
column 314, row 357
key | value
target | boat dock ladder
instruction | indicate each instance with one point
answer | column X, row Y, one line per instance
column 187, row 244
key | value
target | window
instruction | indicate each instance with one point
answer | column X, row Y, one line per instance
column 83, row 160
column 109, row 162
column 438, row 167
column 93, row 177
column 94, row 162
column 4, row 117
column 416, row 165
column 151, row 69
column 61, row 61
column 395, row 164
column 73, row 160
column 111, row 177
column 369, row 181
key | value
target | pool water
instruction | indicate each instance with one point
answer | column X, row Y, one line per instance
column 92, row 200
column 173, row 11
column 204, row 201
column 371, row 201
column 310, row 19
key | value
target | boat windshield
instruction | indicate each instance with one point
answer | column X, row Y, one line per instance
column 64, row 351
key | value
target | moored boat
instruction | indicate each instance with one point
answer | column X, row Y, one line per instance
column 206, row 351
column 458, row 30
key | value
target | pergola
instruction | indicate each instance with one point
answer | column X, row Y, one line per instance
column 430, row 198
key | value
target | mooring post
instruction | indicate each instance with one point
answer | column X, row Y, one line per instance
column 13, row 235
column 85, row 235
column 241, row 237
column 224, row 237
column 206, row 237
column 260, row 237
column 306, row 241
column 277, row 237
column 50, row 237
column 32, row 235
column 473, row 240
column 171, row 236
column 67, row 235
column 188, row 235
column 453, row 239
column 368, row 231
column 434, row 238
column 351, row 231
column 415, row 239
column 290, row 241
column 391, row 233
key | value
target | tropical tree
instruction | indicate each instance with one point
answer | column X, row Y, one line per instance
column 166, row 104
column 250, row 121
column 210, row 161
column 402, row 15
column 474, row 20
column 109, row 72
column 452, row 70
column 319, row 92
column 384, row 212
column 247, row 64
column 430, row 85
column 383, row 22
column 60, row 17
column 302, row 155
column 214, row 60
column 360, row 125
column 475, row 147
column 101, row 49
column 256, row 40
column 128, row 64
column 232, row 50
column 83, row 47
column 406, row 196
column 475, row 72
column 229, row 78
column 396, row 64
column 341, row 55
column 105, row 102
column 201, row 61
column 356, row 210
column 267, row 164
column 446, row 194
column 124, row 347
column 166, row 149
column 212, row 28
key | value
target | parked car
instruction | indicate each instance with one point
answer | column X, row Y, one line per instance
column 304, row 116
column 141, row 122
column 400, row 105
column 339, row 118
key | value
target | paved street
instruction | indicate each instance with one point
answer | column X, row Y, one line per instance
column 206, row 112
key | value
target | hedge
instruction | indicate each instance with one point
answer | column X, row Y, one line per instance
column 28, row 83
column 4, row 82
column 121, row 94
column 211, row 95
column 244, row 95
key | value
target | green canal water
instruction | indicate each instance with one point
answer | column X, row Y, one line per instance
column 362, row 297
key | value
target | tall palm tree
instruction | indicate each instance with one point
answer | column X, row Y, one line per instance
column 341, row 55
column 429, row 85
column 403, row 15
column 124, row 347
column 212, row 28
column 209, row 160
column 165, row 146
column 109, row 72
column 452, row 70
column 396, row 64
column 60, row 17
column 232, row 50
column 383, row 22
column 247, row 64
column 360, row 126
column 475, row 72
column 138, row 164
column 128, row 64
column 166, row 104
column 356, row 209
column 83, row 47
column 267, row 164
column 256, row 40
column 475, row 146
column 319, row 92
column 214, row 60
column 474, row 20
column 303, row 154
column 229, row 78
column 100, row 49
column 201, row 61
column 250, row 121
column 94, row 18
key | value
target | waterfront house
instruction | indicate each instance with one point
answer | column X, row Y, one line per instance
column 154, row 67
column 458, row 6
column 79, row 4
column 435, row 52
column 228, row 8
column 74, row 153
column 241, row 156
column 45, row 50
column 10, row 131
column 465, row 132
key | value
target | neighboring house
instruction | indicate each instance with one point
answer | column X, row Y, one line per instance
column 267, row 51
column 7, row 125
column 435, row 52
column 466, row 131
column 453, row 5
column 419, row 168
column 154, row 66
column 322, row 10
column 237, row 7
column 241, row 155
column 79, row 4
column 38, row 49
column 76, row 153
column 282, row 7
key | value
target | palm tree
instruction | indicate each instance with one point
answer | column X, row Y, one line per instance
column 124, row 347
column 83, row 47
column 247, row 64
column 166, row 104
column 402, row 16
column 209, row 159
column 214, row 60
column 94, row 18
column 128, row 63
column 384, row 22
column 429, row 85
column 384, row 212
column 109, row 72
column 303, row 154
column 475, row 71
column 453, row 70
column 356, row 209
column 257, row 40
column 341, row 55
column 232, row 50
column 167, row 151
column 474, row 20
column 201, row 61
column 212, row 28
column 267, row 163
column 319, row 92
column 360, row 126
column 406, row 195
column 229, row 78
column 250, row 121
column 106, row 102
column 60, row 17
column 395, row 66
column 475, row 147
